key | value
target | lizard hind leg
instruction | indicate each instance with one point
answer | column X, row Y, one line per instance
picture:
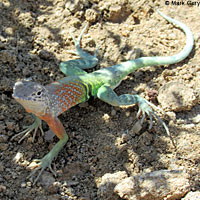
column 88, row 60
column 106, row 94
column 76, row 66
column 83, row 54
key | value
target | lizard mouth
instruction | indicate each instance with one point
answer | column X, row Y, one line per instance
column 20, row 91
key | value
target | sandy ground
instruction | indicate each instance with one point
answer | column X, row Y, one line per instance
column 35, row 38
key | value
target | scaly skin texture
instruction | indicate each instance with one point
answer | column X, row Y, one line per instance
column 47, row 102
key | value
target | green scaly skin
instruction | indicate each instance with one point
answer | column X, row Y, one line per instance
column 47, row 102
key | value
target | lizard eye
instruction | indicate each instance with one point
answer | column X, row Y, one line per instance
column 39, row 93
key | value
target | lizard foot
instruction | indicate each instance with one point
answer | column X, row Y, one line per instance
column 40, row 164
column 145, row 109
column 28, row 129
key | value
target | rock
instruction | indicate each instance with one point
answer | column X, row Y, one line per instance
column 49, row 135
column 2, row 188
column 8, row 56
column 84, row 198
column 47, row 179
column 157, row 185
column 136, row 128
column 2, row 127
column 145, row 139
column 196, row 119
column 192, row 196
column 3, row 146
column 152, row 95
column 18, row 157
column 176, row 96
column 2, row 167
column 91, row 15
column 3, row 138
column 53, row 188
column 83, row 105
column 45, row 54
column 113, row 112
column 54, row 197
column 26, row 20
column 115, row 11
column 10, row 125
column 109, row 181
column 76, row 5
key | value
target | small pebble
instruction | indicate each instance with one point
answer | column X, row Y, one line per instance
column 136, row 127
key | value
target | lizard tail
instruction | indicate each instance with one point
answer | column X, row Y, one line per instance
column 133, row 65
column 189, row 41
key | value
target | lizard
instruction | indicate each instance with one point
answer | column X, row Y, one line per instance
column 48, row 102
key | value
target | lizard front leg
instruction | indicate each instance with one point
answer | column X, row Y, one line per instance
column 58, row 129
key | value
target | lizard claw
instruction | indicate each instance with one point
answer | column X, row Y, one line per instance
column 144, row 108
column 36, row 124
column 40, row 164
column 149, row 112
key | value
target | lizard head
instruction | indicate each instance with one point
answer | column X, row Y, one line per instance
column 32, row 96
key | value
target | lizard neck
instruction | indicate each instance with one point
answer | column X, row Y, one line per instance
column 66, row 95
